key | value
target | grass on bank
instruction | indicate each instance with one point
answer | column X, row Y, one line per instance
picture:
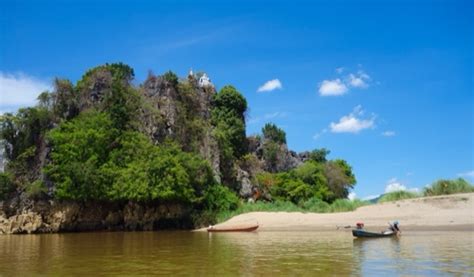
column 398, row 195
column 442, row 187
column 313, row 205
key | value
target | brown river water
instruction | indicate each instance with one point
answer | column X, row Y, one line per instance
column 236, row 254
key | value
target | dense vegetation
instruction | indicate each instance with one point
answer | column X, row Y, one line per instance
column 317, row 177
column 93, row 160
column 104, row 139
column 441, row 187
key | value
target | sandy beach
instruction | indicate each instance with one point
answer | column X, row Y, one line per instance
column 447, row 212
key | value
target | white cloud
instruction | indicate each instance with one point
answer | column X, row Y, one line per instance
column 388, row 133
column 395, row 185
column 332, row 88
column 336, row 87
column 353, row 123
column 352, row 196
column 19, row 90
column 270, row 85
column 356, row 81
column 359, row 80
column 469, row 174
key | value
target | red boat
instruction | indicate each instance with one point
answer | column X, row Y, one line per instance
column 246, row 228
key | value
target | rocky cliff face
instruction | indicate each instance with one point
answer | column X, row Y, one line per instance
column 247, row 171
column 17, row 217
column 172, row 103
column 285, row 159
column 163, row 96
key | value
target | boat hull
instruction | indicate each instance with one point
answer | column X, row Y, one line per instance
column 233, row 229
column 366, row 234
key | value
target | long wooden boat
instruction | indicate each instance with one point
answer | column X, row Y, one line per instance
column 247, row 228
column 366, row 234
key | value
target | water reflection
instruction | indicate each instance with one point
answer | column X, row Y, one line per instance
column 417, row 253
column 290, row 252
column 262, row 253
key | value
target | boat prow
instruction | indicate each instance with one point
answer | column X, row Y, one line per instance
column 247, row 228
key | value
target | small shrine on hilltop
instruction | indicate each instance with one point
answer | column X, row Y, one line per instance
column 203, row 79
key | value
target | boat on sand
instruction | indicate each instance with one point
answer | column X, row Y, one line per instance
column 240, row 228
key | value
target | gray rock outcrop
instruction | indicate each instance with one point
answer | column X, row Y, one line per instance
column 52, row 217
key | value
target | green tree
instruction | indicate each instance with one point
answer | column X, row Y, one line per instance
column 23, row 130
column 45, row 100
column 272, row 132
column 319, row 155
column 118, row 71
column 171, row 77
column 163, row 173
column 229, row 102
column 312, row 173
column 78, row 149
column 340, row 178
column 228, row 117
column 65, row 99
column 291, row 189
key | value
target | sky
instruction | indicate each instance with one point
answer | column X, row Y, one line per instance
column 385, row 85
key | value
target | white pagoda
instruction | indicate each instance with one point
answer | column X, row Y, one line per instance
column 204, row 81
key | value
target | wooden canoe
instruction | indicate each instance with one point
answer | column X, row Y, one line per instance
column 365, row 234
column 247, row 228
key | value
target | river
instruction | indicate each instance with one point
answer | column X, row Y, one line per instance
column 259, row 253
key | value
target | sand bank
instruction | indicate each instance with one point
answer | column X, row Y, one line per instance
column 447, row 212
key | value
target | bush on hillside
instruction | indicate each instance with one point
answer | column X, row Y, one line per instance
column 220, row 198
column 442, row 186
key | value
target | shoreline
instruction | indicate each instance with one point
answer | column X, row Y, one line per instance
column 437, row 213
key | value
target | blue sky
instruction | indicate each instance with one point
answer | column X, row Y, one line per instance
column 387, row 86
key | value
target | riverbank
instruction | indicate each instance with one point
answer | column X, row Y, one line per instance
column 440, row 213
